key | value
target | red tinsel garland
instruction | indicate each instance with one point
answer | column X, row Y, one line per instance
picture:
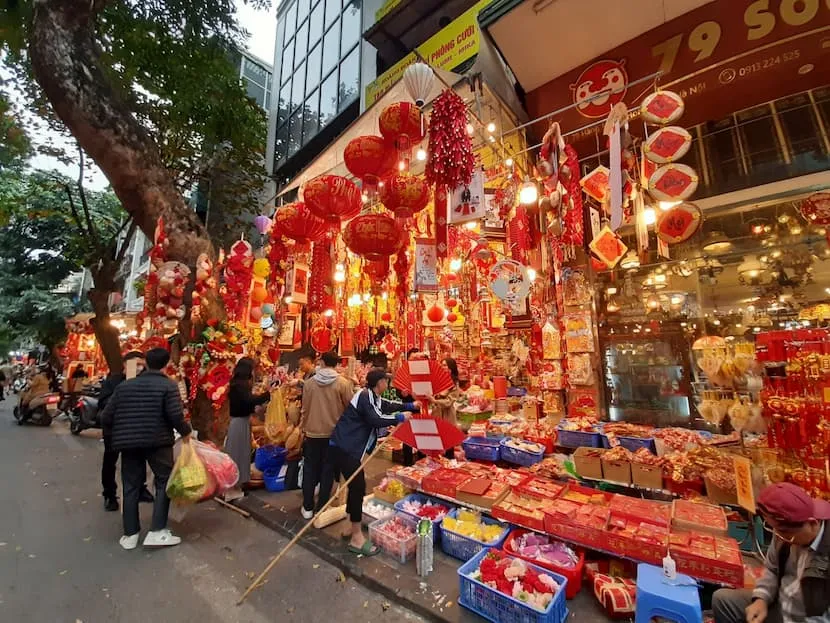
column 572, row 234
column 320, row 283
column 239, row 271
column 451, row 159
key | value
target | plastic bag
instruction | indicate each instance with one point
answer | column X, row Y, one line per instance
column 189, row 479
column 222, row 471
column 276, row 422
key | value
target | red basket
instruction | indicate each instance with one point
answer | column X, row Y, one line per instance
column 547, row 442
column 574, row 575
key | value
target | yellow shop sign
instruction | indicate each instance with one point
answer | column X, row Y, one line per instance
column 386, row 8
column 447, row 49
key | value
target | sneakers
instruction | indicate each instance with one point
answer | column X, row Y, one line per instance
column 129, row 542
column 145, row 496
column 111, row 504
column 307, row 514
column 161, row 538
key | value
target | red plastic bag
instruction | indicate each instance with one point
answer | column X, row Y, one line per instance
column 221, row 468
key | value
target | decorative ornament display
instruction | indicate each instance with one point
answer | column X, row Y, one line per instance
column 436, row 314
column 673, row 182
column 321, row 336
column 370, row 158
column 216, row 382
column 204, row 282
column 418, row 79
column 816, row 208
column 238, row 275
column 450, row 161
column 667, row 144
column 321, row 286
column 295, row 221
column 400, row 124
column 278, row 260
column 679, row 223
column 404, row 194
column 467, row 202
column 509, row 281
column 332, row 198
column 595, row 183
column 373, row 236
column 377, row 271
column 573, row 230
column 401, row 267
column 608, row 247
column 262, row 224
column 662, row 108
column 173, row 277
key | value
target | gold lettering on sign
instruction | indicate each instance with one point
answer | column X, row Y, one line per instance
column 704, row 39
column 759, row 19
column 668, row 50
column 798, row 12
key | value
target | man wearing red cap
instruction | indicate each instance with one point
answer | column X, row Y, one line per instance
column 795, row 586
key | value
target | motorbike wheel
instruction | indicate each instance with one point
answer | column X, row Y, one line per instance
column 18, row 416
column 75, row 425
column 42, row 417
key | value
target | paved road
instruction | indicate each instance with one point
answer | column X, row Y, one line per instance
column 60, row 561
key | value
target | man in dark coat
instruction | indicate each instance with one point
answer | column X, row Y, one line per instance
column 111, row 456
column 143, row 413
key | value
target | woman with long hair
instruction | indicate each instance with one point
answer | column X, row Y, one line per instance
column 443, row 405
column 243, row 402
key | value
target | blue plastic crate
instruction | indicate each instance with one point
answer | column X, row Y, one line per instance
column 632, row 443
column 482, row 448
column 520, row 457
column 578, row 438
column 423, row 499
column 500, row 608
column 463, row 547
column 269, row 457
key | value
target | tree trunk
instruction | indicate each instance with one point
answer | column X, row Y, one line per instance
column 105, row 333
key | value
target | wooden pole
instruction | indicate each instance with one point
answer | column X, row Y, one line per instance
column 310, row 522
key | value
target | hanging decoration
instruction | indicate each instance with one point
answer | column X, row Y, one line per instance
column 572, row 225
column 295, row 221
column 320, row 287
column 450, row 161
column 278, row 261
column 204, row 282
column 441, row 225
column 401, row 267
column 172, row 279
column 673, row 182
column 373, row 236
column 378, row 272
column 596, row 184
column 608, row 247
column 238, row 274
column 679, row 223
column 262, row 224
column 369, row 158
column 158, row 255
column 667, row 144
column 404, row 195
column 662, row 108
column 518, row 229
column 816, row 208
column 467, row 201
column 297, row 283
column 426, row 265
column 509, row 281
column 418, row 79
column 332, row 198
column 400, row 124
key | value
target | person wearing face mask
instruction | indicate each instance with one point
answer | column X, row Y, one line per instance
column 110, row 487
column 795, row 587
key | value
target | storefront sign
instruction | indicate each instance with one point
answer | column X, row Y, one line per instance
column 446, row 50
column 721, row 57
column 426, row 265
column 743, row 482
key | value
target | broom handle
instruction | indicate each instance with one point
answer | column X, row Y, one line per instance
column 305, row 528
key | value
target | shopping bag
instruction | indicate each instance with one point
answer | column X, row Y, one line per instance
column 188, row 480
column 276, row 422
column 221, row 468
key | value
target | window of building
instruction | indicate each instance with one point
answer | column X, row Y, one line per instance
column 287, row 62
column 332, row 11
column 328, row 99
column 800, row 125
column 759, row 138
column 351, row 28
column 295, row 133
column 303, row 7
column 291, row 20
column 284, row 104
column 298, row 91
column 349, row 79
column 281, row 145
column 313, row 66
column 331, row 47
column 311, row 110
column 315, row 23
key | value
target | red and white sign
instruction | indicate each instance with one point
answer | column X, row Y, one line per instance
column 599, row 87
column 429, row 435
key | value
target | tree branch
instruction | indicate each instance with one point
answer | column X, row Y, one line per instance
column 122, row 252
column 75, row 214
column 90, row 226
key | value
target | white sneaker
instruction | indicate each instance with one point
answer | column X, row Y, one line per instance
column 161, row 538
column 129, row 542
column 307, row 514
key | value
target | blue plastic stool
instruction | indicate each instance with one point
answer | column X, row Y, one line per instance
column 676, row 600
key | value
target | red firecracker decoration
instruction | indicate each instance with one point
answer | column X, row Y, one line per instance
column 278, row 259
column 370, row 158
column 404, row 194
column 572, row 235
column 239, row 271
column 451, row 160
column 402, row 273
column 400, row 124
column 332, row 198
column 320, row 284
column 519, row 231
column 373, row 236
column 296, row 221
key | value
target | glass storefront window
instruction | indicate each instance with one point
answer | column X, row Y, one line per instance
column 284, row 104
column 800, row 126
column 315, row 23
column 328, row 99
column 291, row 20
column 349, row 79
column 762, row 151
column 331, row 47
column 302, row 9
column 313, row 67
column 295, row 132
column 351, row 28
column 281, row 145
column 287, row 61
column 311, row 110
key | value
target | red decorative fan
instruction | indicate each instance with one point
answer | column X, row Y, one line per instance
column 428, row 435
column 422, row 377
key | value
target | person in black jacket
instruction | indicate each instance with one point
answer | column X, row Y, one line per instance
column 143, row 412
column 354, row 436
column 111, row 456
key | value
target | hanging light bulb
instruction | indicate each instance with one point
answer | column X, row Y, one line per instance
column 508, row 162
column 528, row 193
column 531, row 274
column 653, row 302
column 470, row 129
column 421, row 154
column 455, row 264
column 649, row 216
column 340, row 276
column 491, row 127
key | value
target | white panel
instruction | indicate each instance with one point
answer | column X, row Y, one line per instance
column 428, row 443
column 422, row 388
column 419, row 367
column 424, row 427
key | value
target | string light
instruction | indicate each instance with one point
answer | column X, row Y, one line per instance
column 531, row 274
column 491, row 127
column 455, row 264
column 528, row 193
column 421, row 155
column 470, row 129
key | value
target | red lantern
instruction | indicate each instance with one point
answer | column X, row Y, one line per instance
column 369, row 158
column 435, row 314
column 295, row 221
column 377, row 270
column 386, row 317
column 400, row 124
column 451, row 303
column 452, row 317
column 333, row 198
column 373, row 236
column 404, row 194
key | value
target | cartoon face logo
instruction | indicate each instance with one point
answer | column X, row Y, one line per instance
column 599, row 87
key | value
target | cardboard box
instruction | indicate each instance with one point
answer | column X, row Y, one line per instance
column 718, row 495
column 616, row 471
column 647, row 476
column 482, row 492
column 588, row 462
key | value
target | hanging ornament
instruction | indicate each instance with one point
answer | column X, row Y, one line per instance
column 450, row 161
column 321, row 286
column 238, row 276
column 667, row 144
column 401, row 267
column 261, row 268
column 662, row 108
column 673, row 182
column 572, row 224
column 278, row 260
column 400, row 124
column 404, row 194
column 377, row 270
column 204, row 282
column 332, row 198
column 435, row 314
column 608, row 247
column 262, row 224
column 369, row 158
column 816, row 208
column 679, row 223
column 418, row 79
column 295, row 221
column 373, row 236
column 519, row 233
column 510, row 281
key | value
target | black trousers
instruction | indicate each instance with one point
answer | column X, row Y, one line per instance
column 110, row 486
column 316, row 469
column 133, row 471
column 347, row 465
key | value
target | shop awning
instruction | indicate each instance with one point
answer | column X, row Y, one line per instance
column 543, row 39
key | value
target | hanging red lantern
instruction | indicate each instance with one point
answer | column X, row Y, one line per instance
column 369, row 158
column 386, row 317
column 400, row 124
column 373, row 236
column 377, row 270
column 333, row 198
column 452, row 317
column 404, row 194
column 435, row 314
column 451, row 303
column 295, row 221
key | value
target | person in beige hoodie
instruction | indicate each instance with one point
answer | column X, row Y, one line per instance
column 325, row 397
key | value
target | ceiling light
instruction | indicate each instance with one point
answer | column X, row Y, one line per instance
column 717, row 242
column 401, row 166
column 650, row 216
column 491, row 127
column 528, row 194
column 471, row 225
column 630, row 261
column 653, row 302
column 421, row 154
column 795, row 230
column 610, row 290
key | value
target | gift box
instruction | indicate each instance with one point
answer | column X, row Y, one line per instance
column 640, row 510
column 702, row 556
column 444, row 482
column 699, row 517
column 637, row 540
column 482, row 492
column 521, row 510
column 541, row 488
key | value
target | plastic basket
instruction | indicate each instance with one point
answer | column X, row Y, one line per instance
column 417, row 497
column 269, row 457
column 520, row 457
column 578, row 438
column 574, row 576
column 482, row 448
column 632, row 443
column 400, row 549
column 463, row 547
column 500, row 608
column 274, row 479
column 368, row 518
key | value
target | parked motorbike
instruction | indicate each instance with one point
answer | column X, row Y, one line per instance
column 84, row 414
column 41, row 410
column 20, row 385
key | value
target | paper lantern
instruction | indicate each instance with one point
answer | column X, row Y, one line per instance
column 261, row 268
column 369, row 158
column 452, row 317
column 404, row 194
column 435, row 314
column 373, row 236
column 400, row 124
column 377, row 270
column 386, row 317
column 451, row 303
column 295, row 221
column 259, row 293
column 418, row 79
column 333, row 198
column 263, row 224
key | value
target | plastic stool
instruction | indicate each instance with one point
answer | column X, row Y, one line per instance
column 675, row 600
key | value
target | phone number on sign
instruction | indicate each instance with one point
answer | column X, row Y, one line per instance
column 767, row 63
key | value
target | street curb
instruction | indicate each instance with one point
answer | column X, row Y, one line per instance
column 331, row 550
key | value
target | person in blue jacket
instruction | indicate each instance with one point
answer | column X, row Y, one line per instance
column 355, row 436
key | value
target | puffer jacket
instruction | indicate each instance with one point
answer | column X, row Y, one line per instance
column 143, row 412
column 356, row 430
